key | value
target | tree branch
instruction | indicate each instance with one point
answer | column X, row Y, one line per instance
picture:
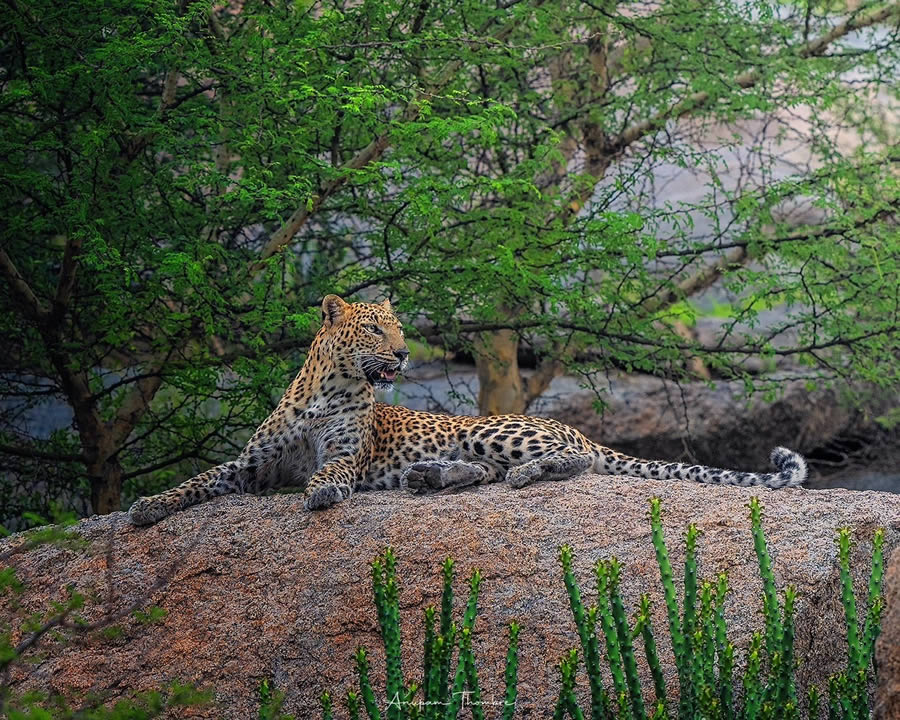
column 22, row 290
column 62, row 618
column 698, row 100
column 133, row 407
column 73, row 384
column 368, row 155
column 365, row 157
column 638, row 340
column 803, row 234
column 31, row 454
column 536, row 383
column 168, row 462
column 697, row 282
column 596, row 159
column 67, row 275
column 170, row 85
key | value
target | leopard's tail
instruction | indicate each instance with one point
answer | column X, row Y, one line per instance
column 790, row 470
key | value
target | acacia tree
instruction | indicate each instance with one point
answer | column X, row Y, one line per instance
column 535, row 220
column 156, row 159
column 184, row 182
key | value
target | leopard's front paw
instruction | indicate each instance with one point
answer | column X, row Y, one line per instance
column 413, row 479
column 519, row 477
column 149, row 510
column 327, row 495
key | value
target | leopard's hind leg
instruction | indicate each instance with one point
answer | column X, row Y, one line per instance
column 444, row 474
column 560, row 465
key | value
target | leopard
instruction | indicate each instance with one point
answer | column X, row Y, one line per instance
column 330, row 438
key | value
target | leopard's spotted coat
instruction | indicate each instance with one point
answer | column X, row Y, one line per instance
column 330, row 437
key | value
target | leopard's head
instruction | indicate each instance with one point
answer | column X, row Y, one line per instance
column 365, row 340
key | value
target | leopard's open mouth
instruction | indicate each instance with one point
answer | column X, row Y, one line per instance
column 383, row 378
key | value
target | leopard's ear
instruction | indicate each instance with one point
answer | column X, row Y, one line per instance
column 386, row 304
column 334, row 310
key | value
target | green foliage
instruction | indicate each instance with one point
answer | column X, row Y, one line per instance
column 387, row 602
column 443, row 691
column 725, row 653
column 851, row 685
column 567, row 703
column 511, row 675
column 705, row 672
column 184, row 182
column 43, row 531
column 365, row 686
column 327, row 711
column 447, row 638
column 271, row 701
column 608, row 625
column 644, row 626
column 774, row 631
column 143, row 707
column 151, row 616
column 586, row 622
column 704, row 656
column 112, row 633
column 668, row 583
column 623, row 636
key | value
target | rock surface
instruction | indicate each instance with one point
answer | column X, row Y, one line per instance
column 887, row 651
column 263, row 590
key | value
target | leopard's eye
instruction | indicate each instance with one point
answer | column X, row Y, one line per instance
column 374, row 329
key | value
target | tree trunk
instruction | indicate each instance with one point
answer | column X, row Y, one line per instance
column 500, row 386
column 106, row 486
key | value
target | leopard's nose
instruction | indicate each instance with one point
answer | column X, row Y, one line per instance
column 401, row 354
